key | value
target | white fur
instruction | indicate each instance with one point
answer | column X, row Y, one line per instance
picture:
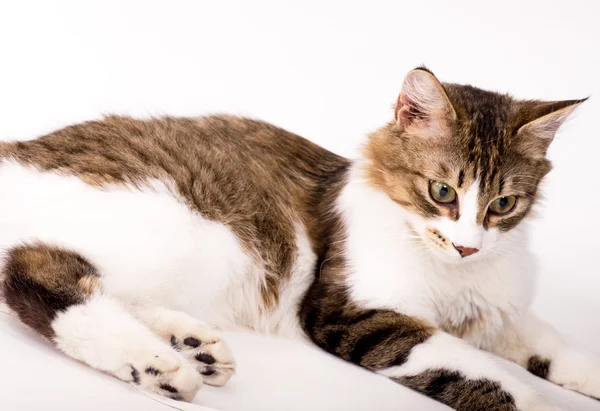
column 150, row 247
column 391, row 266
column 102, row 334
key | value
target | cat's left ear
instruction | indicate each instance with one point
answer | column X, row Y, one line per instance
column 542, row 121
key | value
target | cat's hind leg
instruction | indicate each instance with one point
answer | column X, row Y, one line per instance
column 59, row 294
column 195, row 340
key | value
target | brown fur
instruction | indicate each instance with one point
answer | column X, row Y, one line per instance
column 41, row 281
column 453, row 389
column 256, row 178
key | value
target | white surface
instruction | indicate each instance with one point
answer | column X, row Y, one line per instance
column 329, row 71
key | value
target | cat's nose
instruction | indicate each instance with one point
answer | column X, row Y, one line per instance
column 465, row 251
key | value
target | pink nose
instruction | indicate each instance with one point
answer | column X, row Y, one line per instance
column 465, row 251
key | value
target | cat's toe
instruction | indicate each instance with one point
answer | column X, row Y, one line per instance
column 213, row 361
column 186, row 336
column 165, row 373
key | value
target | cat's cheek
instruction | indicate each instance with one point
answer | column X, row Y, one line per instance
column 491, row 239
column 417, row 223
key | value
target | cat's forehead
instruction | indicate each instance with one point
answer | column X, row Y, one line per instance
column 483, row 142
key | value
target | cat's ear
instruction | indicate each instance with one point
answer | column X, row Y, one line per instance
column 422, row 101
column 542, row 121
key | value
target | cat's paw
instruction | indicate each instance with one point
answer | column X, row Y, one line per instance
column 206, row 351
column 537, row 403
column 163, row 371
column 196, row 341
column 577, row 371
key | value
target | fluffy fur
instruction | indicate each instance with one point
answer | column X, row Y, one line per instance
column 125, row 242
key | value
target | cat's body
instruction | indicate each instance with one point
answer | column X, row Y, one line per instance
column 120, row 231
column 232, row 249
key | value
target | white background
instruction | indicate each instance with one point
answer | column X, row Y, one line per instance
column 330, row 71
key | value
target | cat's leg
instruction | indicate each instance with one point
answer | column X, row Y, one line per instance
column 195, row 340
column 59, row 294
column 423, row 358
column 536, row 346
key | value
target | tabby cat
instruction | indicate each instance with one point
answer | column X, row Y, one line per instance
column 125, row 241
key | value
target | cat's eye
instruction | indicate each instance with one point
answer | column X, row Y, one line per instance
column 503, row 205
column 441, row 192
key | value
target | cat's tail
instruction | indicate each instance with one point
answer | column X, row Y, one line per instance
column 40, row 281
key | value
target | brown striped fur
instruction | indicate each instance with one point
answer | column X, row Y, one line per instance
column 41, row 281
column 462, row 394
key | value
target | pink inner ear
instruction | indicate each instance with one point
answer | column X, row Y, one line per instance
column 404, row 112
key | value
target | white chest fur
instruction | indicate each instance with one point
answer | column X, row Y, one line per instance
column 389, row 267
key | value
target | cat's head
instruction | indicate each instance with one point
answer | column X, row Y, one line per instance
column 464, row 162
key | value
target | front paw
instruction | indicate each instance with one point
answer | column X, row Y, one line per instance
column 536, row 403
column 577, row 371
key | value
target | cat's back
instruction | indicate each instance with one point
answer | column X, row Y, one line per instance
column 125, row 149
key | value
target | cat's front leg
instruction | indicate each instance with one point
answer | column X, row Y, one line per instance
column 421, row 357
column 535, row 345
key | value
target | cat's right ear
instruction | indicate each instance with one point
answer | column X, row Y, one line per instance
column 422, row 101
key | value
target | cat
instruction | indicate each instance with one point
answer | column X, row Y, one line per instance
column 125, row 242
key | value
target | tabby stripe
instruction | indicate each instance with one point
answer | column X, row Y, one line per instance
column 339, row 318
column 422, row 203
column 333, row 340
column 437, row 386
column 369, row 342
column 453, row 389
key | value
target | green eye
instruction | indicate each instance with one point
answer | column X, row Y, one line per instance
column 503, row 205
column 441, row 192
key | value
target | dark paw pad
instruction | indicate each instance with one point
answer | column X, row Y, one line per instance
column 152, row 371
column 205, row 358
column 192, row 342
column 135, row 374
column 208, row 371
column 168, row 387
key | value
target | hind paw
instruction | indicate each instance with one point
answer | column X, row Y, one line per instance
column 165, row 372
column 211, row 357
column 195, row 341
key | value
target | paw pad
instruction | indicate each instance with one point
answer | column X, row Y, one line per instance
column 168, row 387
column 192, row 342
column 152, row 371
column 205, row 358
